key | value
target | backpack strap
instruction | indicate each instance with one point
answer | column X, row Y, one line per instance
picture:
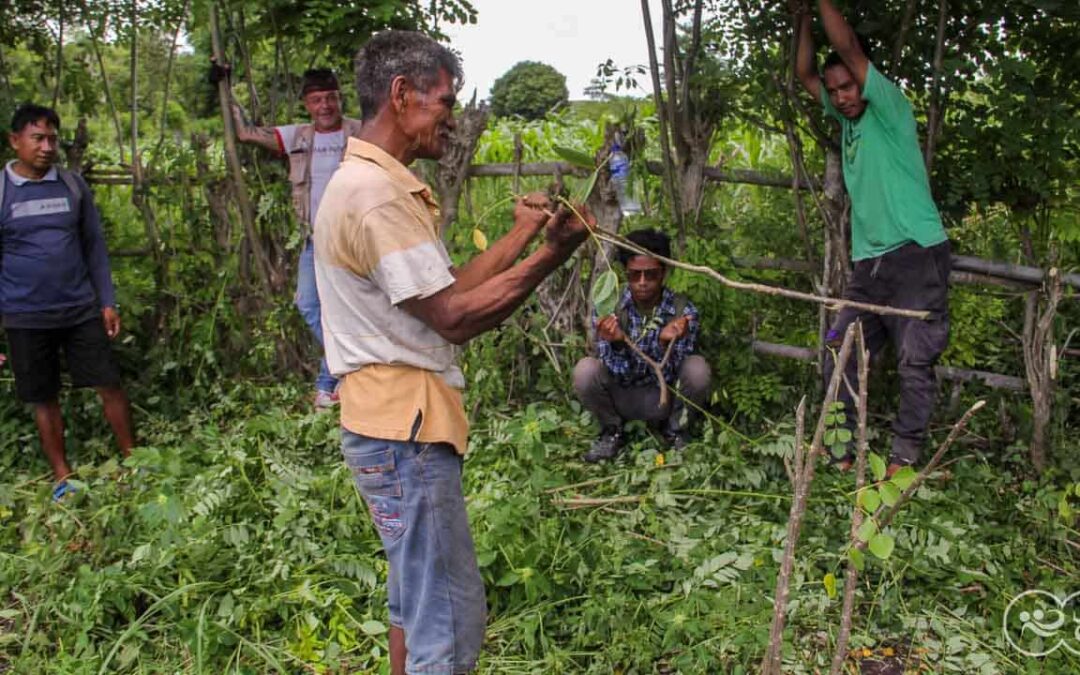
column 75, row 187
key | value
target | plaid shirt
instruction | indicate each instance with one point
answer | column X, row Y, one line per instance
column 627, row 367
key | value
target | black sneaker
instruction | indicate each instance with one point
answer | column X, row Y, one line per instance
column 606, row 446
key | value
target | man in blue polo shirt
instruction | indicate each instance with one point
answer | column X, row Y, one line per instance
column 56, row 290
column 898, row 244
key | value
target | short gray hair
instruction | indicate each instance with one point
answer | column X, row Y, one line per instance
column 400, row 52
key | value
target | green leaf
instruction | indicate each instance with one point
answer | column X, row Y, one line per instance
column 587, row 189
column 605, row 293
column 373, row 627
column 858, row 559
column 867, row 530
column 830, row 585
column 877, row 467
column 904, row 478
column 508, row 579
column 575, row 157
column 890, row 494
column 843, row 435
column 882, row 545
column 830, row 437
column 869, row 499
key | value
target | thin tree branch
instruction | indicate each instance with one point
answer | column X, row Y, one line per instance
column 885, row 514
column 59, row 58
column 831, row 303
column 658, row 99
column 770, row 664
column 168, row 81
column 934, row 116
column 901, row 36
column 852, row 573
column 104, row 77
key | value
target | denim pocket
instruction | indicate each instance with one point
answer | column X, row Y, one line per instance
column 375, row 473
column 377, row 480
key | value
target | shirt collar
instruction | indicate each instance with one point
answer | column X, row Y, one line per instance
column 399, row 172
column 18, row 180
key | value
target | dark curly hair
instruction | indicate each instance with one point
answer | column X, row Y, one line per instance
column 650, row 240
column 28, row 113
column 398, row 52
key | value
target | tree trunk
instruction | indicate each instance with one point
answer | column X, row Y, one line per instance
column 243, row 199
column 453, row 168
column 661, row 116
column 77, row 150
column 836, row 261
column 1040, row 363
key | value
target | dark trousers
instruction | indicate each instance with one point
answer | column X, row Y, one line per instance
column 911, row 277
column 611, row 403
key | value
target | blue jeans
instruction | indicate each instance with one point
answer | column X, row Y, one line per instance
column 435, row 593
column 307, row 301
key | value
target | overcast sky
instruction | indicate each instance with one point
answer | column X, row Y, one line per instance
column 574, row 36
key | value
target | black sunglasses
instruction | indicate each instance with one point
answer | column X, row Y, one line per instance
column 651, row 274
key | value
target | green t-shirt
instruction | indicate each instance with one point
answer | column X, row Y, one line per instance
column 891, row 204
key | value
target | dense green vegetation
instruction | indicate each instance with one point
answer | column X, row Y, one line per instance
column 233, row 541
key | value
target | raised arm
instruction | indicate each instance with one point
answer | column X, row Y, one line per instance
column 805, row 68
column 843, row 39
column 246, row 132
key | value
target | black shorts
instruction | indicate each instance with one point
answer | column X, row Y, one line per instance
column 35, row 359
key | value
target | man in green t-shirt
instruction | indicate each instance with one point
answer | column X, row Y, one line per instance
column 898, row 245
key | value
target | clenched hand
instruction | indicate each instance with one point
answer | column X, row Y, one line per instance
column 609, row 329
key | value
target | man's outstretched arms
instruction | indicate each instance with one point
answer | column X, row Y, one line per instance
column 843, row 39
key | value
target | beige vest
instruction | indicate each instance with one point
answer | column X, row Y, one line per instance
column 300, row 167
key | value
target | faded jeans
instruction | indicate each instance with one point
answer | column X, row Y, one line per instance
column 435, row 593
column 307, row 301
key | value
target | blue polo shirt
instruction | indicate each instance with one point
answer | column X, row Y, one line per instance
column 54, row 267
